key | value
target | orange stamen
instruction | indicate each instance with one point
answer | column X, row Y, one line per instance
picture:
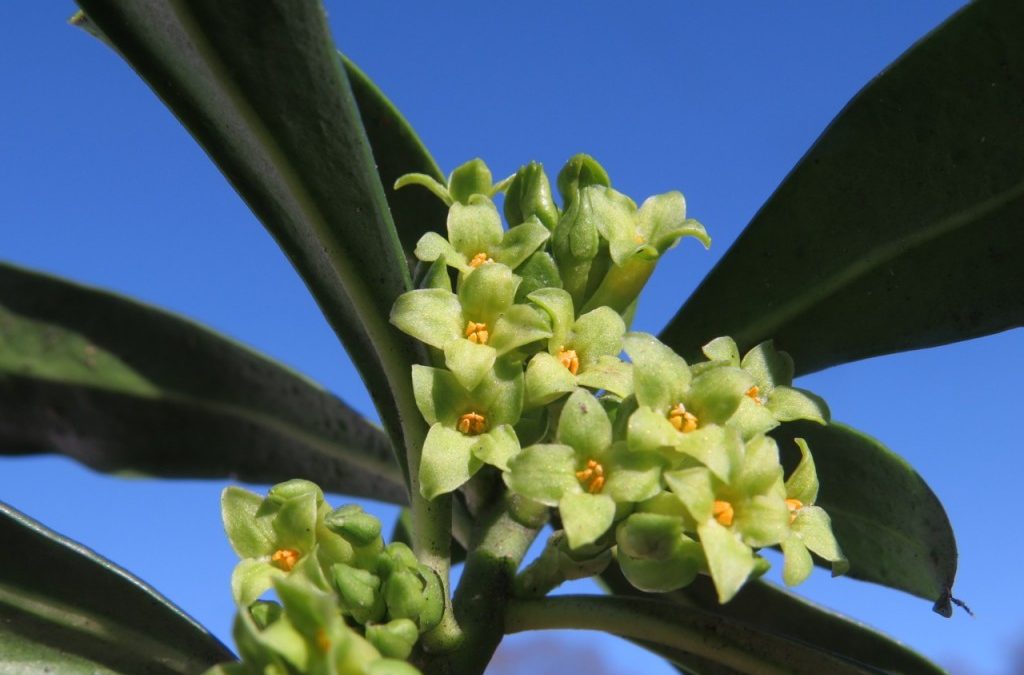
column 472, row 424
column 570, row 359
column 592, row 476
column 681, row 419
column 322, row 641
column 480, row 259
column 755, row 393
column 477, row 332
column 285, row 559
column 793, row 505
column 722, row 512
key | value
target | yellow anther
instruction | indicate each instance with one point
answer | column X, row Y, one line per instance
column 322, row 641
column 285, row 559
column 722, row 512
column 480, row 259
column 592, row 476
column 477, row 332
column 793, row 505
column 681, row 419
column 638, row 238
column 472, row 424
column 570, row 359
column 755, row 394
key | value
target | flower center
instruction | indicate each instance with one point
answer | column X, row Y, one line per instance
column 477, row 332
column 570, row 359
column 793, row 505
column 681, row 419
column 472, row 424
column 755, row 394
column 592, row 476
column 722, row 512
column 480, row 259
column 284, row 559
column 322, row 641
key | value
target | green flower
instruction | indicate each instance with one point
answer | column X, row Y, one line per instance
column 810, row 527
column 280, row 535
column 679, row 414
column 581, row 352
column 469, row 427
column 771, row 399
column 475, row 238
column 637, row 242
column 474, row 327
column 585, row 474
column 466, row 181
column 654, row 553
column 734, row 514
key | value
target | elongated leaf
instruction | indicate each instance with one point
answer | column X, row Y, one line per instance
column 398, row 151
column 121, row 386
column 900, row 228
column 65, row 609
column 683, row 630
column 887, row 520
column 260, row 86
column 769, row 608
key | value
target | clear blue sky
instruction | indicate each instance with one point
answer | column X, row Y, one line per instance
column 101, row 184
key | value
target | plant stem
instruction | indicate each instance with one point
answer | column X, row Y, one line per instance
column 499, row 543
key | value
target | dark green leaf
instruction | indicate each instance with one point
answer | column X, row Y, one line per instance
column 888, row 522
column 683, row 631
column 260, row 86
column 900, row 228
column 398, row 151
column 65, row 609
column 121, row 386
column 764, row 606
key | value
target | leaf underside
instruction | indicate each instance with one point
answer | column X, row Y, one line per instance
column 125, row 387
column 900, row 228
column 65, row 609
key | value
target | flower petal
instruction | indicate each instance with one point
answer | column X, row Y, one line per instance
column 797, row 564
column 520, row 242
column 660, row 376
column 431, row 315
column 250, row 536
column 585, row 425
column 447, row 462
column 469, row 361
column 729, row 559
column 439, row 396
column 475, row 227
column 585, row 517
column 597, row 333
column 497, row 446
column 519, row 326
column 814, row 528
column 770, row 367
column 547, row 379
column 693, row 488
column 543, row 473
column 802, row 484
column 788, row 404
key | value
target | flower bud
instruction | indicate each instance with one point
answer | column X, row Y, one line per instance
column 529, row 194
column 394, row 639
column 359, row 591
column 403, row 594
column 648, row 536
column 355, row 525
column 283, row 492
column 472, row 178
column 579, row 172
column 433, row 599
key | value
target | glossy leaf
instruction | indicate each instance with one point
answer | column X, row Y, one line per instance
column 900, row 228
column 261, row 88
column 766, row 607
column 887, row 520
column 745, row 648
column 65, row 609
column 125, row 387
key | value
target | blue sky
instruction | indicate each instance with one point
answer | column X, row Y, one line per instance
column 102, row 185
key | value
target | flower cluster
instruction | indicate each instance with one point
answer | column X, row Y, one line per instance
column 349, row 604
column 665, row 463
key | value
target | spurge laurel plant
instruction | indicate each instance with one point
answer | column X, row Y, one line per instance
column 512, row 391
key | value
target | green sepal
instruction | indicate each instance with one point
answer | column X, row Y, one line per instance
column 730, row 561
column 473, row 227
column 762, row 520
column 249, row 535
column 497, row 446
column 546, row 380
column 265, row 612
column 660, row 376
column 544, row 473
column 723, row 349
column 558, row 304
column 770, row 367
column 579, row 172
column 678, row 569
column 403, row 595
column 470, row 179
column 423, row 180
column 539, row 271
column 436, row 276
column 394, row 639
column 529, row 195
column 751, row 418
column 356, row 526
column 487, row 293
column 609, row 373
column 650, row 431
column 760, row 471
column 520, row 242
column 797, row 563
column 718, row 448
column 789, row 403
column 519, row 326
column 431, row 315
column 360, row 592
column 802, row 484
column 294, row 523
column 649, row 536
column 585, row 425
column 662, row 222
column 468, row 361
column 631, row 476
column 439, row 396
column 694, row 490
column 432, row 247
column 433, row 599
column 814, row 528
column 251, row 578
column 447, row 462
column 715, row 394
column 585, row 517
column 597, row 333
